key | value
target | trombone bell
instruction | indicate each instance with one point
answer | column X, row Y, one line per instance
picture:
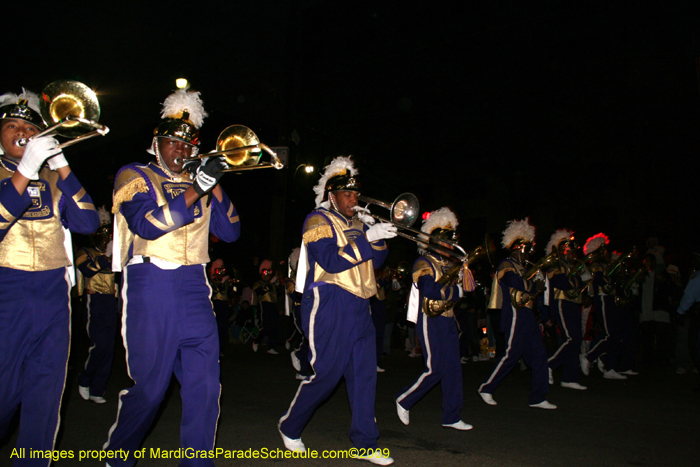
column 239, row 137
column 71, row 101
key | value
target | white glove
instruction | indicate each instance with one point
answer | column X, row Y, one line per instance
column 461, row 290
column 586, row 275
column 363, row 215
column 57, row 161
column 35, row 153
column 381, row 231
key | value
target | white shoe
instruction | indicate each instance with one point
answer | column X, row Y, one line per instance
column 629, row 373
column 292, row 444
column 272, row 352
column 460, row 425
column 612, row 374
column 573, row 386
column 380, row 369
column 287, row 345
column 300, row 377
column 544, row 405
column 488, row 398
column 98, row 399
column 402, row 413
column 585, row 364
column 84, row 392
column 464, row 360
column 475, row 358
column 377, row 458
column 296, row 363
column 551, row 377
column 601, row 366
column 255, row 347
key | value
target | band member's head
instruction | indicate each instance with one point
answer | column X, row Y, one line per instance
column 293, row 262
column 19, row 118
column 266, row 271
column 103, row 234
column 442, row 226
column 563, row 244
column 519, row 238
column 597, row 243
column 339, row 188
column 177, row 135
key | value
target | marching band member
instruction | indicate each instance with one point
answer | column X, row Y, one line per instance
column 607, row 344
column 518, row 322
column 566, row 308
column 438, row 335
column 163, row 220
column 36, row 202
column 336, row 274
column 95, row 265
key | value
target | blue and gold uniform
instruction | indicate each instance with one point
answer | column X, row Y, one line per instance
column 439, row 338
column 102, row 320
column 168, row 324
column 336, row 319
column 35, row 288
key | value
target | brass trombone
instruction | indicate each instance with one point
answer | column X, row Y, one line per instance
column 72, row 110
column 403, row 214
column 241, row 150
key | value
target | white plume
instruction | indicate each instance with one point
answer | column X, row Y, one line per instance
column 182, row 100
column 31, row 98
column 105, row 217
column 518, row 230
column 557, row 238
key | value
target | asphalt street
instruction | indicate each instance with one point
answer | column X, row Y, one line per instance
column 648, row 420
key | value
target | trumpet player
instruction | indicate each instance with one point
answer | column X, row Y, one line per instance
column 336, row 274
column 163, row 221
column 36, row 201
column 514, row 293
column 437, row 333
column 565, row 306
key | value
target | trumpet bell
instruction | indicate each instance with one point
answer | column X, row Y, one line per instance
column 65, row 100
column 235, row 137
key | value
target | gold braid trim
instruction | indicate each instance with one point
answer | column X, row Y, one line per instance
column 422, row 268
column 127, row 191
column 317, row 232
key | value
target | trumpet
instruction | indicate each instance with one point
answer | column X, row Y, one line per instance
column 241, row 150
column 72, row 109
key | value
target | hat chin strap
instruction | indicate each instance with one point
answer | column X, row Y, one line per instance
column 161, row 163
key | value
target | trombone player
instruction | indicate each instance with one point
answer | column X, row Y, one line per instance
column 437, row 333
column 36, row 201
column 161, row 242
column 565, row 303
column 514, row 294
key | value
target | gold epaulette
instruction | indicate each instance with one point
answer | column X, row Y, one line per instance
column 127, row 185
column 597, row 267
column 422, row 268
column 316, row 228
column 503, row 270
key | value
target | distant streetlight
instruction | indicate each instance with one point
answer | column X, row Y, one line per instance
column 307, row 168
column 182, row 83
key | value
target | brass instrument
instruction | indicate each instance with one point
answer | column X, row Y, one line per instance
column 520, row 298
column 623, row 298
column 583, row 263
column 403, row 214
column 72, row 110
column 241, row 150
column 618, row 268
column 434, row 308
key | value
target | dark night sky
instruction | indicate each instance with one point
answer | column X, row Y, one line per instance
column 579, row 114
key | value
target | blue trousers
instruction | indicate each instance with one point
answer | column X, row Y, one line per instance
column 378, row 308
column 302, row 350
column 440, row 340
column 34, row 348
column 342, row 343
column 102, row 320
column 567, row 315
column 607, row 344
column 523, row 339
column 168, row 326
